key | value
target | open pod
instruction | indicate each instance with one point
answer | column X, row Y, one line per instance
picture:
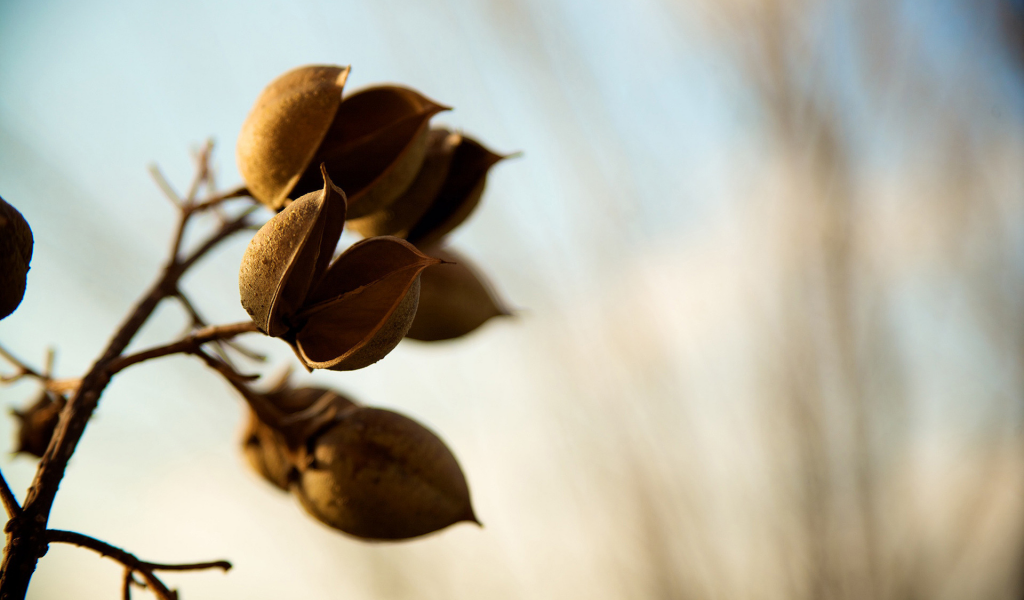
column 339, row 315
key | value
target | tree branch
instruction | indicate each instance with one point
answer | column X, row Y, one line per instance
column 131, row 562
column 26, row 539
column 189, row 344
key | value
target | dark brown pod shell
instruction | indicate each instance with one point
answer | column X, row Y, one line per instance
column 15, row 255
column 380, row 475
column 367, row 303
column 285, row 128
column 375, row 146
column 400, row 216
column 460, row 194
column 455, row 299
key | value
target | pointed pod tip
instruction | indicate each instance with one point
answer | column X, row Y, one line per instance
column 329, row 185
column 343, row 76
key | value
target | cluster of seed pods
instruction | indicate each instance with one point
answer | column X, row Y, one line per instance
column 370, row 160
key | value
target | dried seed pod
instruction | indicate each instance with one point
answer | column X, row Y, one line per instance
column 288, row 255
column 344, row 315
column 372, row 142
column 398, row 218
column 366, row 305
column 375, row 146
column 459, row 195
column 379, row 475
column 37, row 422
column 285, row 127
column 454, row 300
column 15, row 254
column 446, row 191
column 267, row 449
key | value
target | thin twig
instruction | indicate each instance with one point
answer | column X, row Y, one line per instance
column 239, row 192
column 189, row 344
column 165, row 186
column 202, row 172
column 126, row 558
column 240, row 223
column 126, row 591
column 198, row 321
column 51, row 357
column 263, row 408
column 10, row 501
column 132, row 562
column 21, row 366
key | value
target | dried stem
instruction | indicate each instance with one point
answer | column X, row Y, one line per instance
column 239, row 192
column 165, row 186
column 259, row 403
column 198, row 322
column 27, row 534
column 188, row 345
column 7, row 496
column 131, row 562
column 23, row 369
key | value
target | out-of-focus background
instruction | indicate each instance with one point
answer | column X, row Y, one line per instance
column 767, row 258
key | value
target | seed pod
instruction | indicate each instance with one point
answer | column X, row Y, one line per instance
column 372, row 142
column 379, row 475
column 375, row 146
column 454, row 300
column 366, row 305
column 37, row 422
column 285, row 127
column 15, row 254
column 288, row 255
column 398, row 218
column 344, row 315
column 430, row 209
column 459, row 195
column 267, row 449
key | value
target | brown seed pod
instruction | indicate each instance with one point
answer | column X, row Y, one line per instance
column 285, row 127
column 344, row 315
column 37, row 422
column 288, row 255
column 267, row 449
column 369, row 299
column 455, row 299
column 459, row 195
column 380, row 475
column 373, row 142
column 398, row 218
column 375, row 146
column 15, row 254
column 446, row 191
